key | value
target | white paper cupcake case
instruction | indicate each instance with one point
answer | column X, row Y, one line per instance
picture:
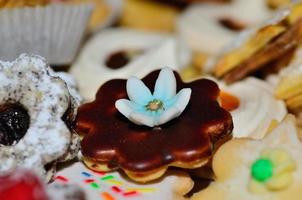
column 54, row 31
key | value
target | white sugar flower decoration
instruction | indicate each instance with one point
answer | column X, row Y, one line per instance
column 155, row 109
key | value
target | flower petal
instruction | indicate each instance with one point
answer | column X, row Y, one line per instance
column 165, row 86
column 181, row 100
column 126, row 107
column 142, row 119
column 279, row 181
column 175, row 106
column 138, row 91
column 168, row 114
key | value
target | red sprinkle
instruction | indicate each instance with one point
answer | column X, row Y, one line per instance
column 116, row 189
column 61, row 178
column 107, row 196
column 129, row 193
column 98, row 172
column 89, row 180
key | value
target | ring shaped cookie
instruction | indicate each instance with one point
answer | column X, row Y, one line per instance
column 209, row 27
column 137, row 53
column 258, row 108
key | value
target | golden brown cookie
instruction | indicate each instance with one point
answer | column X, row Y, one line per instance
column 257, row 49
column 258, row 169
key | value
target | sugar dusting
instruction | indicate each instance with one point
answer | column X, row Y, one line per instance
column 28, row 81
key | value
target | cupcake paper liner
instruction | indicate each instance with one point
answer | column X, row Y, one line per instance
column 54, row 31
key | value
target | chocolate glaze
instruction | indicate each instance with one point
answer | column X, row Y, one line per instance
column 14, row 122
column 193, row 136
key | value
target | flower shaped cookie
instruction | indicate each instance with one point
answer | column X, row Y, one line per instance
column 143, row 152
column 258, row 169
column 36, row 111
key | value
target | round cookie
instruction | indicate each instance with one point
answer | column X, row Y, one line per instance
column 208, row 27
column 113, row 185
column 258, row 169
column 120, row 53
column 257, row 109
column 36, row 112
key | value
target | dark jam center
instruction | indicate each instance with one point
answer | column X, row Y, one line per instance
column 231, row 24
column 14, row 122
column 118, row 60
column 121, row 58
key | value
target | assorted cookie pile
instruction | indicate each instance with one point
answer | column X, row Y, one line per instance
column 141, row 99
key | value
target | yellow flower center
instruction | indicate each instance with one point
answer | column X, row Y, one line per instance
column 154, row 105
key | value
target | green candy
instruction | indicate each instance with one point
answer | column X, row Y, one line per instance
column 262, row 170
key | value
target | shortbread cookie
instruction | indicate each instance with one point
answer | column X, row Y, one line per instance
column 257, row 108
column 258, row 169
column 150, row 132
column 37, row 111
column 149, row 15
column 174, row 185
column 120, row 53
column 257, row 48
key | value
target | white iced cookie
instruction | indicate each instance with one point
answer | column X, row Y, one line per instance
column 120, row 53
column 209, row 27
column 257, row 108
column 115, row 186
column 36, row 109
column 268, row 169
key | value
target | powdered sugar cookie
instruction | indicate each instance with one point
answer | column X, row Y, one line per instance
column 120, row 53
column 115, row 186
column 258, row 169
column 36, row 112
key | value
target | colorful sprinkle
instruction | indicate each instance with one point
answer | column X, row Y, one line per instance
column 262, row 169
column 105, row 178
column 144, row 190
column 86, row 174
column 115, row 182
column 116, row 189
column 61, row 178
column 89, row 180
column 95, row 185
column 98, row 172
column 130, row 193
column 107, row 196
